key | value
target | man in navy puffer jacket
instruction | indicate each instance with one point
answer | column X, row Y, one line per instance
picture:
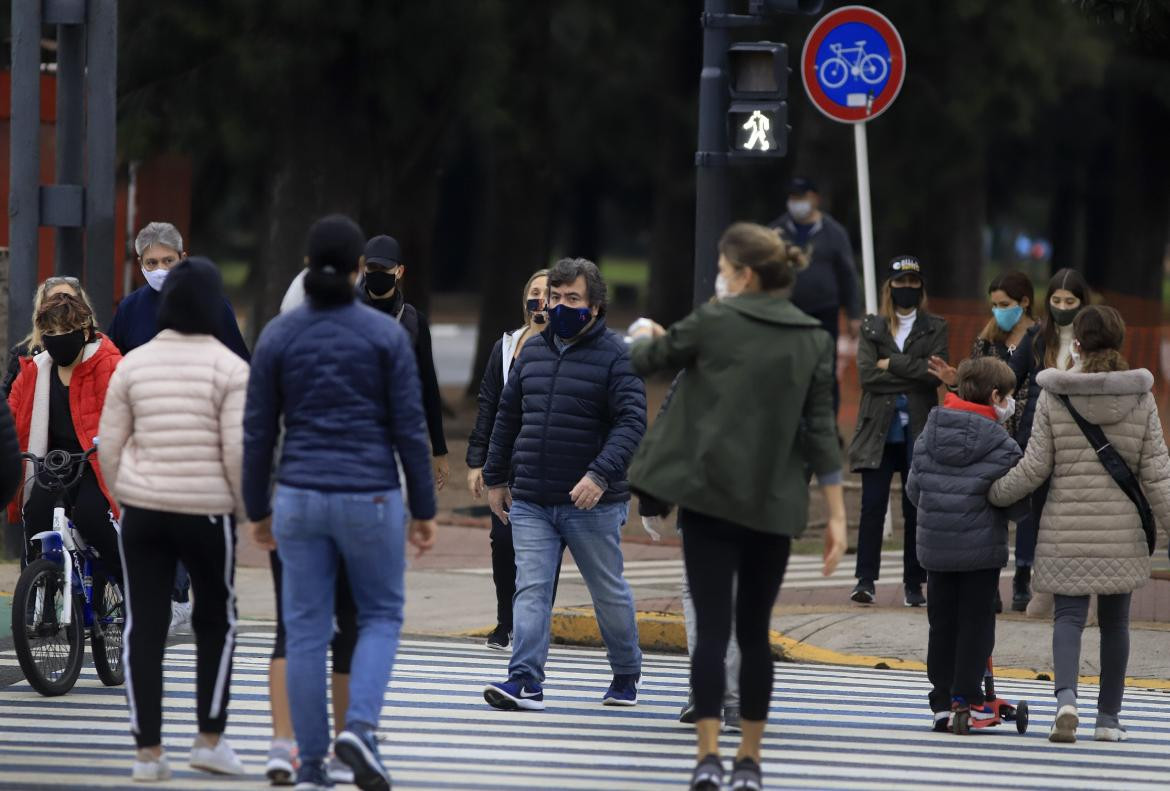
column 568, row 424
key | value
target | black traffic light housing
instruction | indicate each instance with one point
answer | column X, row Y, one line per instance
column 757, row 120
column 770, row 7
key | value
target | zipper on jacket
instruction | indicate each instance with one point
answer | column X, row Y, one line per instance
column 552, row 388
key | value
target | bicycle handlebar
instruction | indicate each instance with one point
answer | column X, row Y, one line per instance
column 57, row 464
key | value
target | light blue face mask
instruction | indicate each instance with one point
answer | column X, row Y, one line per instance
column 1008, row 318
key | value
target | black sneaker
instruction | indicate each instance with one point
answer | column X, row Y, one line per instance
column 687, row 715
column 746, row 776
column 708, row 775
column 1021, row 588
column 358, row 749
column 913, row 596
column 863, row 592
column 499, row 639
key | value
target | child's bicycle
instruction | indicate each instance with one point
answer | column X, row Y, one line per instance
column 962, row 723
column 55, row 600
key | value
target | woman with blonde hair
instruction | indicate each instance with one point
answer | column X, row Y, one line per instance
column 897, row 393
column 757, row 396
column 21, row 355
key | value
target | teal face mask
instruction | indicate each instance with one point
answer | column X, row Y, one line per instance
column 1008, row 318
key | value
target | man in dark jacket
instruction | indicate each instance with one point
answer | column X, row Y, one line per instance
column 569, row 421
column 160, row 247
column 381, row 288
column 962, row 539
column 829, row 285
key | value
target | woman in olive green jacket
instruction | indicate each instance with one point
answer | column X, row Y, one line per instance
column 753, row 413
column 897, row 393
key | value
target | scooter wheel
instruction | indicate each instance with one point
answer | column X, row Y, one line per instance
column 962, row 723
column 1022, row 717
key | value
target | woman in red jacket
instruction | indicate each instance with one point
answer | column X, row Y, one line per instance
column 57, row 403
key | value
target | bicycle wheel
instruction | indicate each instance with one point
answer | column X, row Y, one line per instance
column 106, row 636
column 874, row 69
column 834, row 72
column 50, row 653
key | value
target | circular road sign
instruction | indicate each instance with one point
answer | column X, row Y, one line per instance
column 853, row 64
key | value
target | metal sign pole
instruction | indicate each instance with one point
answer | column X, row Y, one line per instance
column 865, row 208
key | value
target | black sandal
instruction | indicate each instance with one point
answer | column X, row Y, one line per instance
column 746, row 776
column 708, row 774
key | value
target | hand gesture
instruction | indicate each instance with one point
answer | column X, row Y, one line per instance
column 475, row 482
column 940, row 369
column 835, row 544
column 500, row 501
column 586, row 494
column 422, row 534
column 442, row 471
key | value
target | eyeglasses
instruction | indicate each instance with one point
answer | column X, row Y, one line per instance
column 151, row 264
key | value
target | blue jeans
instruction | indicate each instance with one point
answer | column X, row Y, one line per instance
column 367, row 531
column 595, row 539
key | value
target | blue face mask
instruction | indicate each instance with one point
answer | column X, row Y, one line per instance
column 1008, row 318
column 568, row 322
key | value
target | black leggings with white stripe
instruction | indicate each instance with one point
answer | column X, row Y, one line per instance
column 152, row 542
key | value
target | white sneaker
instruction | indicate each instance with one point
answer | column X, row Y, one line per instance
column 1118, row 734
column 151, row 771
column 1064, row 729
column 180, row 617
column 218, row 760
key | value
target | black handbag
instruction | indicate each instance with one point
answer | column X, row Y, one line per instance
column 1118, row 470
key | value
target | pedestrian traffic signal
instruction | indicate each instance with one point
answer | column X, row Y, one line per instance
column 772, row 7
column 758, row 83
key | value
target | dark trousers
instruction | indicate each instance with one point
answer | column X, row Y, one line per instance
column 504, row 571
column 345, row 633
column 961, row 609
column 182, row 589
column 718, row 555
column 831, row 321
column 875, row 499
column 87, row 507
column 152, row 543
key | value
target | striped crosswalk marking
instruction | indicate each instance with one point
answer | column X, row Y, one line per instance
column 804, row 573
column 832, row 728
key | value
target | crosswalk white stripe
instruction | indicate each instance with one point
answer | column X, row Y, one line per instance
column 849, row 728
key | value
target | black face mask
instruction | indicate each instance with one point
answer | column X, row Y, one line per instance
column 906, row 297
column 379, row 282
column 1064, row 316
column 64, row 349
column 538, row 315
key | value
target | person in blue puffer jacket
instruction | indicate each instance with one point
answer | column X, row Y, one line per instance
column 569, row 421
column 344, row 379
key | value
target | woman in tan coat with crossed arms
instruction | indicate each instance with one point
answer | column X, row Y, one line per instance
column 1091, row 538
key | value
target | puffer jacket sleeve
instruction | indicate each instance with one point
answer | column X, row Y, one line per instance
column 408, row 426
column 507, row 426
column 231, row 433
column 487, row 403
column 818, row 430
column 627, row 410
column 116, row 426
column 261, row 426
column 921, row 455
column 678, row 348
column 1155, row 467
column 1036, row 465
column 11, row 466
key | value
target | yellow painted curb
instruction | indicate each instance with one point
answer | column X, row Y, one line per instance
column 666, row 632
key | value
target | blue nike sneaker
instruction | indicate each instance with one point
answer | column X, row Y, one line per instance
column 623, row 691
column 515, row 693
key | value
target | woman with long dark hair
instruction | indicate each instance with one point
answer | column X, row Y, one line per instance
column 897, row 393
column 753, row 413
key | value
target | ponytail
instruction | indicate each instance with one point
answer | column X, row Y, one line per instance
column 328, row 289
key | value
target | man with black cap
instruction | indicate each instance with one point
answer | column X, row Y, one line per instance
column 829, row 285
column 381, row 288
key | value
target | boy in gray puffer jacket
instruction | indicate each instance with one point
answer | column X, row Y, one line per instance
column 962, row 538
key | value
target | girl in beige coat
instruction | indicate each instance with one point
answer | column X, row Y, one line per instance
column 1091, row 538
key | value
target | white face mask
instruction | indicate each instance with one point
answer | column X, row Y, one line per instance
column 721, row 287
column 800, row 209
column 156, row 278
column 1005, row 410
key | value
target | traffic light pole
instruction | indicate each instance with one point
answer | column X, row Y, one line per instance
column 712, row 213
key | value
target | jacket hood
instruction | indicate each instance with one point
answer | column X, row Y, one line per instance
column 191, row 301
column 769, row 308
column 959, row 438
column 1103, row 399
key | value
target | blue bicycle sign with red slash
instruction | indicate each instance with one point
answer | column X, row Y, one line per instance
column 853, row 64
